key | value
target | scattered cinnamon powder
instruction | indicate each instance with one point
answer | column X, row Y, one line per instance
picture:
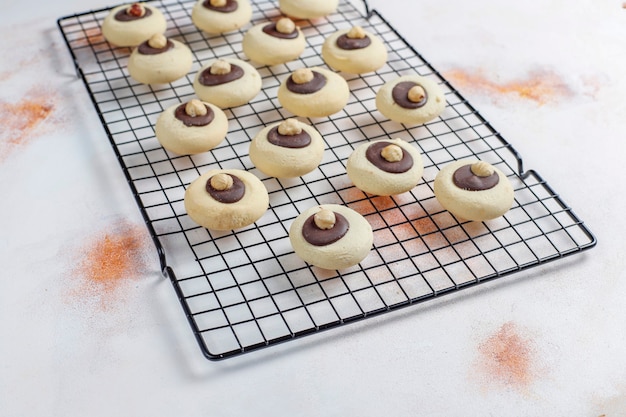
column 93, row 36
column 508, row 357
column 109, row 260
column 540, row 86
column 20, row 121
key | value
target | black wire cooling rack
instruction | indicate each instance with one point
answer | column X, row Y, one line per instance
column 246, row 289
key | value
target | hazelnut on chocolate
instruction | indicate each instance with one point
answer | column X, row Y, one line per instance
column 195, row 108
column 325, row 219
column 220, row 67
column 302, row 76
column 136, row 9
column 221, row 182
column 289, row 127
column 392, row 153
column 157, row 41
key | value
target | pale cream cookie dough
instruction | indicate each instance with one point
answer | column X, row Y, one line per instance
column 331, row 236
column 473, row 190
column 131, row 24
column 191, row 128
column 227, row 82
column 313, row 92
column 220, row 16
column 273, row 43
column 287, row 149
column 307, row 9
column 410, row 99
column 226, row 199
column 159, row 60
column 385, row 167
column 354, row 51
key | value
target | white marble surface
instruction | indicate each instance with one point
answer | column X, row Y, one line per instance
column 68, row 348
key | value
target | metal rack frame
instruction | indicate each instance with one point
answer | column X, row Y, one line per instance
column 246, row 289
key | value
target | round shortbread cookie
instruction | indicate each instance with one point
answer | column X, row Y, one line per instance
column 152, row 63
column 340, row 242
column 287, row 155
column 272, row 43
column 385, row 167
column 327, row 93
column 184, row 130
column 306, row 9
column 354, row 51
column 129, row 25
column 459, row 189
column 220, row 16
column 205, row 209
column 219, row 89
column 405, row 108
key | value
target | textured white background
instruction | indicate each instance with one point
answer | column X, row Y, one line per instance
column 132, row 353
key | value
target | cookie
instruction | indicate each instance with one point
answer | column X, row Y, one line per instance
column 385, row 167
column 306, row 9
column 220, row 16
column 131, row 24
column 473, row 190
column 274, row 43
column 191, row 128
column 354, row 51
column 287, row 149
column 313, row 92
column 226, row 199
column 410, row 99
column 227, row 82
column 159, row 60
column 331, row 236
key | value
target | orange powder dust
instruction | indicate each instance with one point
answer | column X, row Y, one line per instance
column 109, row 260
column 93, row 36
column 508, row 357
column 20, row 121
column 540, row 86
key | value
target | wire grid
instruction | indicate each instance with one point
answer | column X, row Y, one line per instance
column 246, row 289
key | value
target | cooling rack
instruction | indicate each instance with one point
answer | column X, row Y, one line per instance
column 246, row 289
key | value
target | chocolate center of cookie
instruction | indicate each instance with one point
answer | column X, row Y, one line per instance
column 322, row 237
column 300, row 140
column 400, row 94
column 229, row 7
column 348, row 43
column 271, row 30
column 208, row 79
column 374, row 155
column 317, row 83
column 200, row 120
column 145, row 49
column 465, row 179
column 229, row 195
column 124, row 16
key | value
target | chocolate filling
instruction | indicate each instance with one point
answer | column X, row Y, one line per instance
column 208, row 79
column 229, row 196
column 400, row 94
column 373, row 154
column 270, row 29
column 229, row 7
column 145, row 48
column 322, row 237
column 123, row 16
column 188, row 120
column 301, row 140
column 348, row 43
column 464, row 178
column 317, row 83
